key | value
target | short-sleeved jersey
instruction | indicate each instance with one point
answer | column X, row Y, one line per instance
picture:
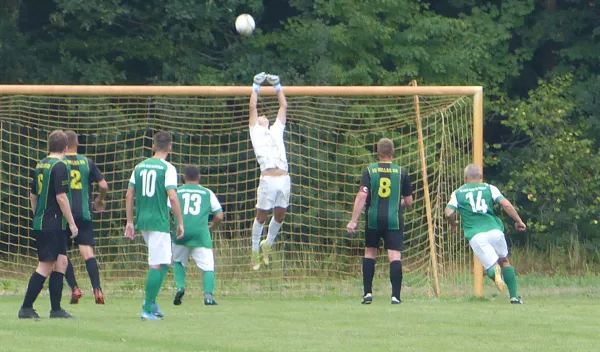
column 84, row 173
column 385, row 185
column 475, row 204
column 268, row 146
column 151, row 179
column 197, row 204
column 50, row 178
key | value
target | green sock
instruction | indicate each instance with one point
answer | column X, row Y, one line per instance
column 152, row 287
column 491, row 272
column 511, row 280
column 179, row 273
column 208, row 281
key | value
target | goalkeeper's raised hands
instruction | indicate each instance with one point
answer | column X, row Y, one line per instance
column 258, row 80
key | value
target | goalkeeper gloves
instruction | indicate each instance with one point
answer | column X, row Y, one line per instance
column 274, row 80
column 258, row 80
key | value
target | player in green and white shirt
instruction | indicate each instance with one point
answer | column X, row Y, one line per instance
column 474, row 202
column 197, row 204
column 152, row 182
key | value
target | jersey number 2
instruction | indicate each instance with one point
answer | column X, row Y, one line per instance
column 148, row 182
column 191, row 203
column 76, row 180
column 385, row 189
column 477, row 205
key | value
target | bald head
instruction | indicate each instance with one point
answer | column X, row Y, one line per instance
column 72, row 142
column 473, row 173
column 385, row 149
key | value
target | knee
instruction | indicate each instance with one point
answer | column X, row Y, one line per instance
column 61, row 264
column 45, row 268
column 394, row 255
column 370, row 252
column 503, row 262
column 261, row 216
column 86, row 251
column 279, row 216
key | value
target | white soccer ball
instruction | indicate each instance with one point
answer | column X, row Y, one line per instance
column 244, row 24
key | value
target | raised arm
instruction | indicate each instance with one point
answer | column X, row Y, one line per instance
column 282, row 113
column 252, row 106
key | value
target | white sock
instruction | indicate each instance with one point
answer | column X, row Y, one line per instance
column 274, row 228
column 257, row 229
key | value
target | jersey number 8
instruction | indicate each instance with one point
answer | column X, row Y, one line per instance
column 385, row 189
column 148, row 182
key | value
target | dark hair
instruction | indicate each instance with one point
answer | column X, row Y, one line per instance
column 162, row 140
column 57, row 141
column 191, row 173
column 71, row 139
column 385, row 148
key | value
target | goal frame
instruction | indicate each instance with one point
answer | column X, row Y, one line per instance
column 475, row 92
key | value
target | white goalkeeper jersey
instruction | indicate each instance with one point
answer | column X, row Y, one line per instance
column 268, row 146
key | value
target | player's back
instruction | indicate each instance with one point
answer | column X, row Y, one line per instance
column 196, row 206
column 150, row 178
column 383, row 200
column 475, row 203
column 80, row 190
column 48, row 215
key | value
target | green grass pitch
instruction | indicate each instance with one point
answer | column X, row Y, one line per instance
column 545, row 323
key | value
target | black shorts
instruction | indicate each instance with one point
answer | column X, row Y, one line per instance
column 85, row 236
column 392, row 239
column 49, row 244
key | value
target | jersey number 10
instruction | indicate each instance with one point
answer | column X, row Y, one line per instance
column 477, row 205
column 148, row 182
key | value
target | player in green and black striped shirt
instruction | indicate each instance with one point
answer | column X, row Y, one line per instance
column 384, row 188
column 84, row 173
column 50, row 205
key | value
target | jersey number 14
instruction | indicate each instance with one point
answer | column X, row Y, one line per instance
column 478, row 205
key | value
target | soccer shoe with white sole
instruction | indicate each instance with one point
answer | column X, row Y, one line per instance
column 516, row 300
column 155, row 310
column 367, row 299
column 76, row 294
column 61, row 313
column 209, row 300
column 266, row 251
column 178, row 296
column 28, row 313
column 500, row 284
column 148, row 316
column 396, row 300
column 255, row 260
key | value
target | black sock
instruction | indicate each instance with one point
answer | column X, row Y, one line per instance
column 368, row 270
column 396, row 277
column 55, row 286
column 92, row 268
column 70, row 275
column 35, row 286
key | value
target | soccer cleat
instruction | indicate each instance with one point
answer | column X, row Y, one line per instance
column 156, row 311
column 76, row 294
column 98, row 296
column 28, row 313
column 178, row 296
column 516, row 300
column 367, row 299
column 266, row 250
column 148, row 316
column 61, row 313
column 498, row 278
column 209, row 300
column 255, row 260
column 396, row 300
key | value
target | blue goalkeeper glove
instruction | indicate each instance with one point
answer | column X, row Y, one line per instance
column 274, row 80
column 258, row 80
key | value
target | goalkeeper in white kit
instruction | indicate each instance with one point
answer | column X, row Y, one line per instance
column 274, row 187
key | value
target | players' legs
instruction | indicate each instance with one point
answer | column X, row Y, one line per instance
column 55, row 286
column 159, row 258
column 498, row 241
column 180, row 260
column 205, row 260
column 394, row 243
column 282, row 200
column 485, row 251
column 368, row 271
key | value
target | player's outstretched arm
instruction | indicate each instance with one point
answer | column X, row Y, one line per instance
column 276, row 83
column 174, row 201
column 253, row 111
column 512, row 212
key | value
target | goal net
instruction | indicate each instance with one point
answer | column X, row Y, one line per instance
column 330, row 137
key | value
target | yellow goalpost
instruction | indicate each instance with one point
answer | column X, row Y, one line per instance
column 330, row 137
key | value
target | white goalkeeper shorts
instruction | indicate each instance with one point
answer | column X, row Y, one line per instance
column 203, row 256
column 489, row 247
column 159, row 247
column 273, row 192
